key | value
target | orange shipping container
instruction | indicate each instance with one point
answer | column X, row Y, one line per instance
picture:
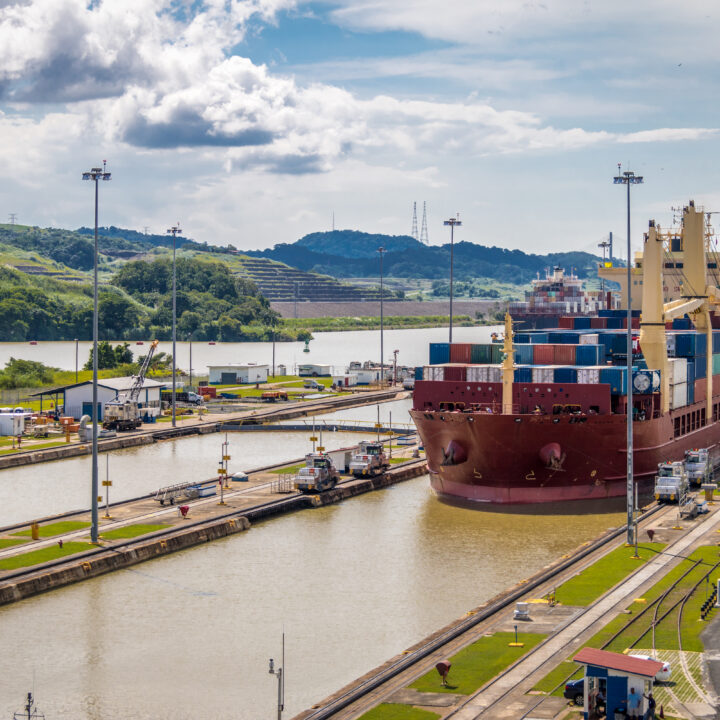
column 567, row 323
column 545, row 354
column 564, row 354
column 460, row 353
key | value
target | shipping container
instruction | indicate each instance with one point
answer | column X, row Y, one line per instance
column 477, row 373
column 496, row 353
column 616, row 378
column 614, row 323
column 670, row 342
column 565, row 355
column 677, row 368
column 557, row 338
column 682, row 324
column 457, row 373
column 700, row 367
column 619, row 344
column 539, row 337
column 521, row 337
column 523, row 375
column 716, row 342
column 572, row 338
column 582, row 323
column 543, row 374
column 644, row 382
column 690, row 344
column 439, row 353
column 481, row 354
column 523, row 356
column 678, row 395
column 716, row 384
column 433, row 372
column 716, row 364
column 460, row 353
column 690, row 393
column 589, row 354
column 690, row 377
column 700, row 389
column 418, row 373
column 588, row 375
column 494, row 374
column 565, row 375
column 566, row 322
column 589, row 339
column 543, row 355
column 598, row 323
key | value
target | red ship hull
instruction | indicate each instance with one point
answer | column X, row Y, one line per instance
column 490, row 458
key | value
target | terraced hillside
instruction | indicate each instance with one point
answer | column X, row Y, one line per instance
column 277, row 282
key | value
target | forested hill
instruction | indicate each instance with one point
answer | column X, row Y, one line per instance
column 348, row 253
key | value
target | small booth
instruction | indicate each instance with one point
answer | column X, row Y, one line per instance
column 612, row 676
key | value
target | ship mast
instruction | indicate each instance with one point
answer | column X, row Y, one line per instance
column 508, row 367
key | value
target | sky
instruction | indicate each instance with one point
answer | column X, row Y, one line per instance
column 254, row 122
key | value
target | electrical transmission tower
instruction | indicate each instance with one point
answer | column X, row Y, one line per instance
column 13, row 218
column 414, row 231
column 423, row 231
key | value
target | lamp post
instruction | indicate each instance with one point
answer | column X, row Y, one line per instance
column 76, row 359
column 281, row 680
column 95, row 174
column 381, row 250
column 629, row 178
column 452, row 222
column 174, row 230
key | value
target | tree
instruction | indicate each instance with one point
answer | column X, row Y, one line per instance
column 108, row 356
column 25, row 373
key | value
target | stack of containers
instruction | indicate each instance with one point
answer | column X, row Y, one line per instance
column 677, row 370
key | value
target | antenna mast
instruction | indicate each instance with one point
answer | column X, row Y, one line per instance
column 424, row 230
column 414, row 231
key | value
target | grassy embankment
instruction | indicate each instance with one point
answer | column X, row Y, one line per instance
column 339, row 324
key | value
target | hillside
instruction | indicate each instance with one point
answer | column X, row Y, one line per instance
column 348, row 254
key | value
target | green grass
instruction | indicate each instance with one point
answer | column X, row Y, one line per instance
column 609, row 570
column 32, row 446
column 131, row 531
column 9, row 542
column 478, row 663
column 289, row 469
column 394, row 711
column 58, row 528
column 395, row 461
column 559, row 675
column 43, row 555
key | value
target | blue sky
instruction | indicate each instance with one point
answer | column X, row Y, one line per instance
column 252, row 121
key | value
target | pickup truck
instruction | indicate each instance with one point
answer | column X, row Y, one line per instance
column 313, row 384
column 182, row 397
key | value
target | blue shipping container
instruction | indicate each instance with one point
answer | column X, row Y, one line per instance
column 681, row 324
column 523, row 375
column 690, row 393
column 582, row 323
column 521, row 338
column 614, row 323
column 541, row 338
column 691, row 370
column 700, row 368
column 418, row 373
column 523, row 356
column 439, row 353
column 556, row 338
column 616, row 378
column 571, row 338
column 690, row 344
column 716, row 342
column 589, row 354
column 565, row 375
column 619, row 344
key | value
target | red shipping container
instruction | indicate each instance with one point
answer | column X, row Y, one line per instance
column 207, row 391
column 460, row 353
column 457, row 373
column 668, row 325
column 715, row 321
column 545, row 354
column 564, row 354
column 716, row 384
column 566, row 323
column 700, row 389
column 598, row 323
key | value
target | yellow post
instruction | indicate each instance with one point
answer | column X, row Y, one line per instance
column 35, row 531
column 508, row 367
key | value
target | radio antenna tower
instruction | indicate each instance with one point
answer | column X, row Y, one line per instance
column 13, row 218
column 414, row 231
column 423, row 230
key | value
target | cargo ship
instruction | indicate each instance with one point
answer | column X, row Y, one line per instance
column 557, row 295
column 541, row 418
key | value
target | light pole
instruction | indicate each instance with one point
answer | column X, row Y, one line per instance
column 95, row 174
column 174, row 230
column 76, row 359
column 281, row 680
column 452, row 222
column 382, row 251
column 629, row 178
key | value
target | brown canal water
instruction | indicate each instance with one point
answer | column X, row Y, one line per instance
column 190, row 635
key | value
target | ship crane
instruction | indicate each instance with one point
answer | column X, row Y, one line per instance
column 123, row 413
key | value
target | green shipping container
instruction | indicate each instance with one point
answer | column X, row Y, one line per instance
column 497, row 351
column 716, row 364
column 481, row 354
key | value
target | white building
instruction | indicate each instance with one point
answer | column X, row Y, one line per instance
column 78, row 397
column 12, row 423
column 314, row 370
column 233, row 373
column 345, row 380
column 368, row 376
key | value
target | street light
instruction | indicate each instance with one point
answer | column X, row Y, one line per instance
column 281, row 680
column 174, row 231
column 629, row 178
column 95, row 174
column 381, row 250
column 452, row 222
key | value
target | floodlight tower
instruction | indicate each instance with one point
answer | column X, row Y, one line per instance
column 452, row 222
column 174, row 231
column 95, row 174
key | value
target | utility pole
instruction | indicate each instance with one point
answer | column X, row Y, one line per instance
column 174, row 230
column 381, row 250
column 281, row 680
column 95, row 174
column 629, row 178
column 452, row 222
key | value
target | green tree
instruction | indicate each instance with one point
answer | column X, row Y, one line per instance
column 25, row 373
column 106, row 357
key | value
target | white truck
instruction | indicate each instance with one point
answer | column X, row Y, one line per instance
column 671, row 482
column 697, row 466
column 369, row 460
column 318, row 475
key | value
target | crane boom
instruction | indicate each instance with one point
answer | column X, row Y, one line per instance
column 134, row 392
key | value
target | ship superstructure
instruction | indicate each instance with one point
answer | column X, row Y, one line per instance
column 542, row 417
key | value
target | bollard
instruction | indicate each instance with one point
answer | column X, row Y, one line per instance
column 35, row 531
